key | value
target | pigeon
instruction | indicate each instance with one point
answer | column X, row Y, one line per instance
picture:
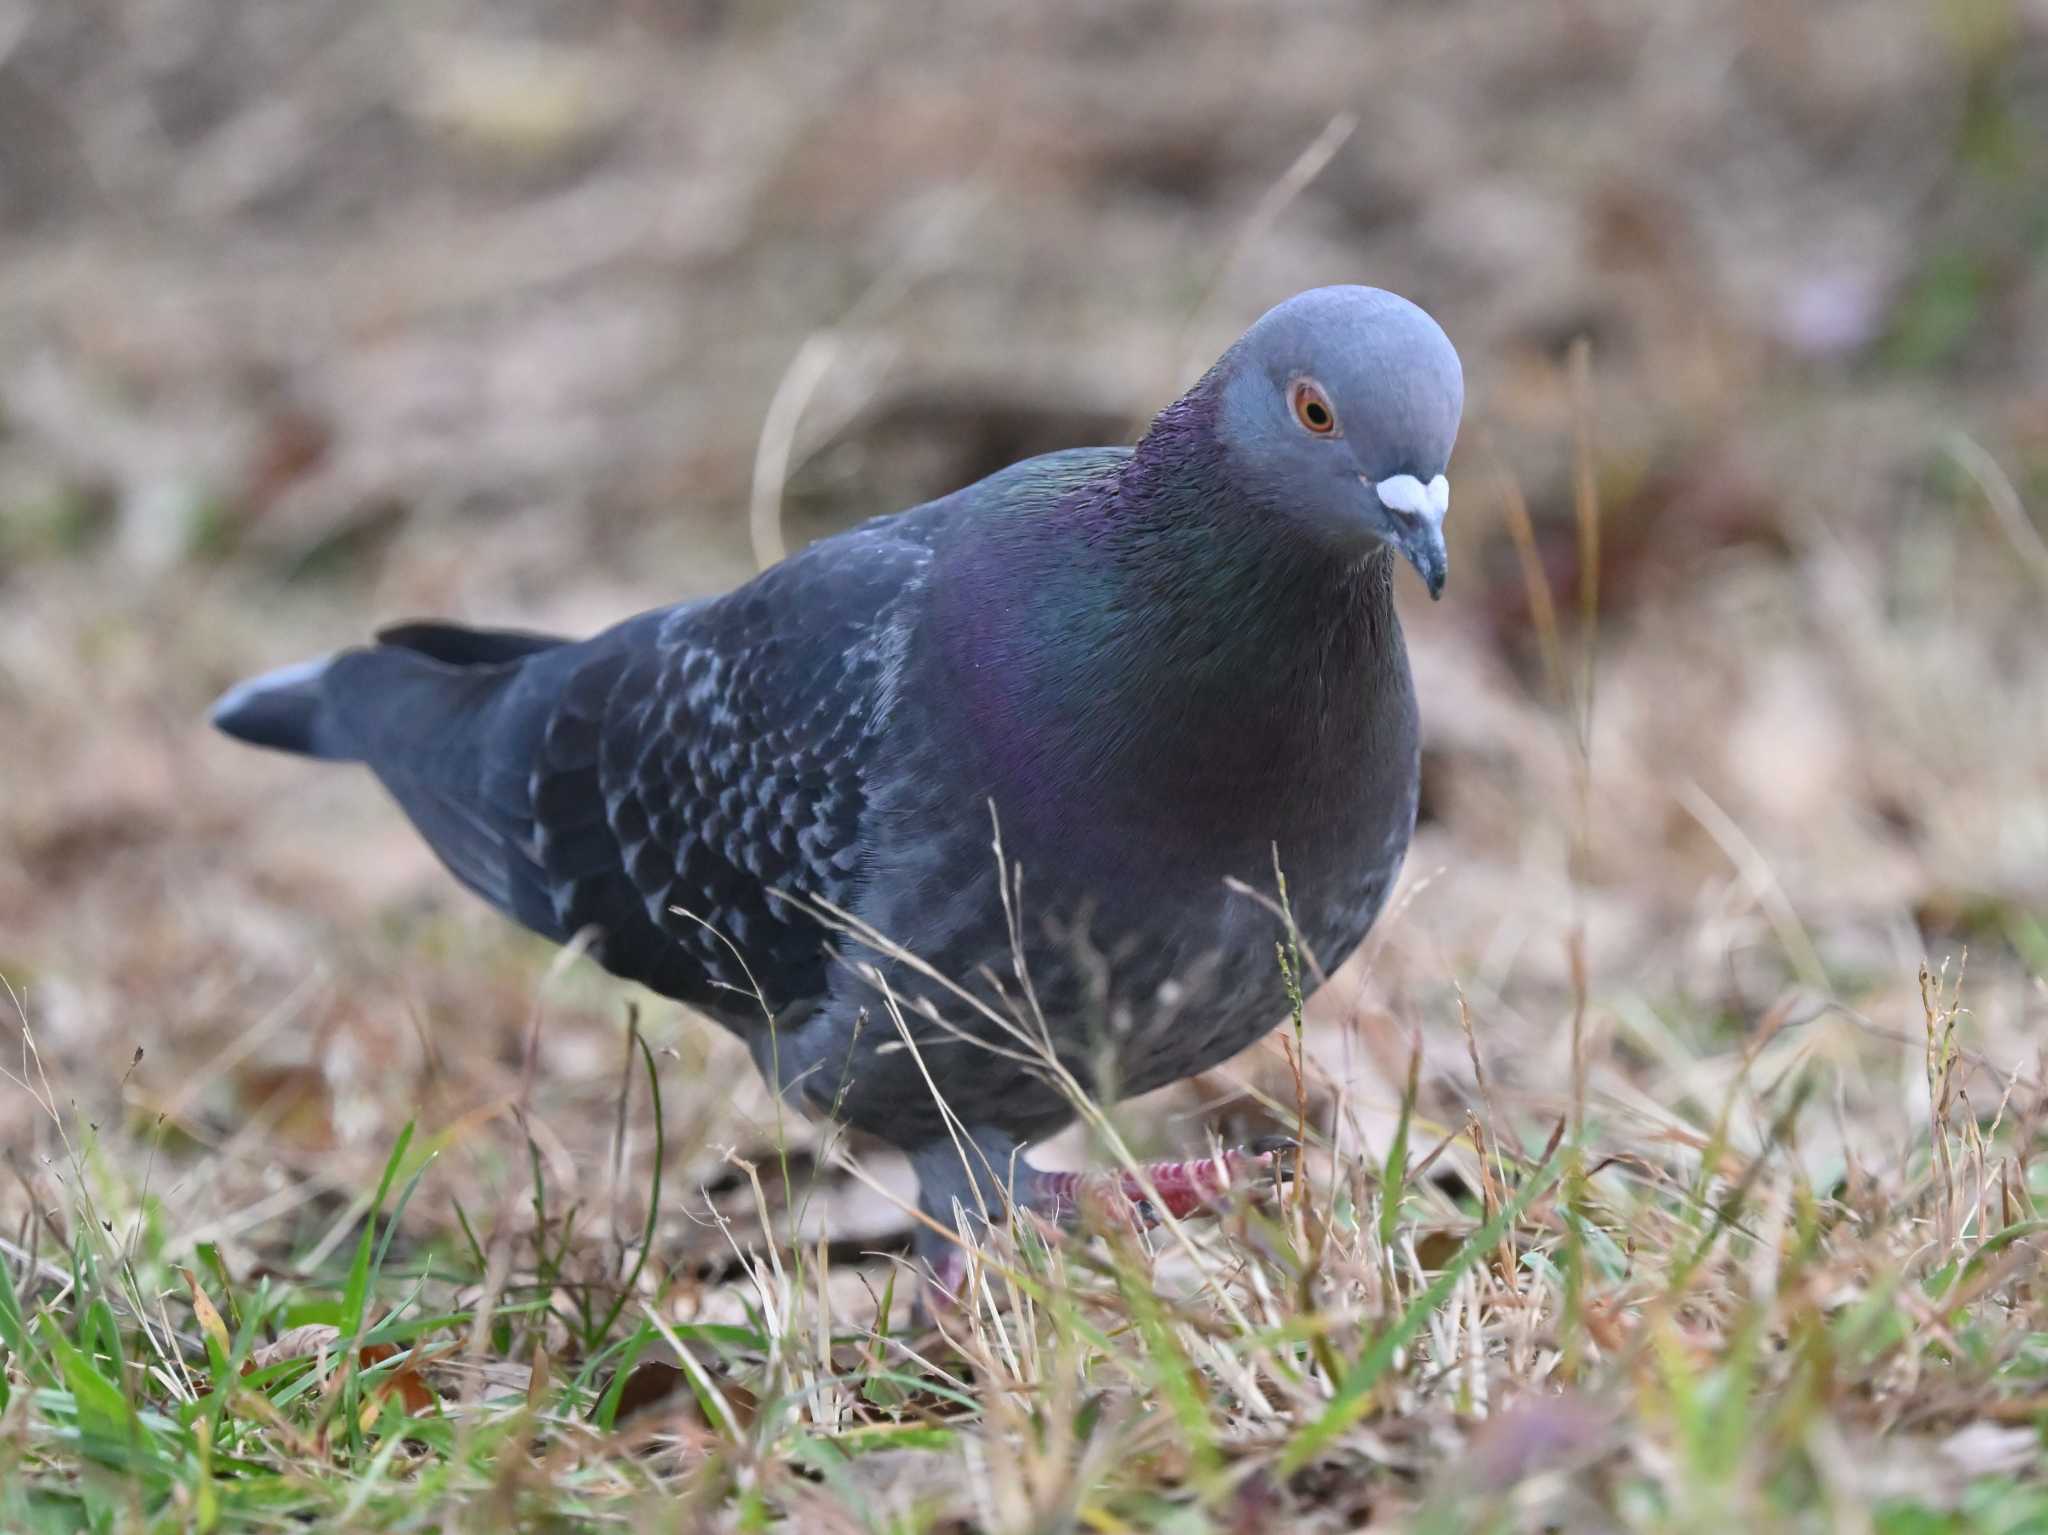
column 974, row 807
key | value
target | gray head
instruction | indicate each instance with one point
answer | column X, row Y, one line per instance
column 1339, row 409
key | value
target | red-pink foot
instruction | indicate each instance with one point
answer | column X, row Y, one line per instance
column 945, row 1292
column 1183, row 1189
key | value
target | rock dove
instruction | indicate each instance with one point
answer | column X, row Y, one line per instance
column 1144, row 672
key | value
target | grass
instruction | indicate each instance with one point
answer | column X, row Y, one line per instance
column 1503, row 1325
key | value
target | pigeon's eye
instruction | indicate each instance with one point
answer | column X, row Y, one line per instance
column 1312, row 407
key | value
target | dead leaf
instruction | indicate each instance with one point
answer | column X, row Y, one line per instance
column 651, row 1381
column 537, row 1382
column 414, row 1394
column 209, row 1319
column 315, row 1340
column 407, row 1381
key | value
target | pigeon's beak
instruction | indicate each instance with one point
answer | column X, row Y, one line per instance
column 1419, row 524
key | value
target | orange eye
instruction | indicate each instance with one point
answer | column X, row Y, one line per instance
column 1312, row 408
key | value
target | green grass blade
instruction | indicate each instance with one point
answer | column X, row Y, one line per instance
column 14, row 1339
column 1393, row 1182
column 109, row 1429
column 1354, row 1393
column 355, row 1296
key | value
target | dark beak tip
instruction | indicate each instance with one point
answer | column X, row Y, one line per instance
column 1422, row 546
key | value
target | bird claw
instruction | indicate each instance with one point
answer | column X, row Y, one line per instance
column 1196, row 1187
column 1178, row 1189
column 944, row 1291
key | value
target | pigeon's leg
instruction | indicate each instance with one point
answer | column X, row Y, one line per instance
column 984, row 1174
column 965, row 1186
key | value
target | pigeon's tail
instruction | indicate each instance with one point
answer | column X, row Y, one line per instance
column 452, row 722
column 293, row 709
column 284, row 711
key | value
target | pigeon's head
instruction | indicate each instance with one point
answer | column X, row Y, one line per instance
column 1338, row 409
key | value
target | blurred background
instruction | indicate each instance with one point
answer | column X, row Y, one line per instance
column 322, row 315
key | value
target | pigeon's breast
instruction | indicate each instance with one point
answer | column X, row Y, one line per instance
column 1148, row 920
column 1116, row 829
column 1319, row 791
column 1215, row 985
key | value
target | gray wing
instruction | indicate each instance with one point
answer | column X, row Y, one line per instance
column 662, row 783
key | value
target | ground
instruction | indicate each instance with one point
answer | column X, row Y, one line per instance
column 1671, row 1142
